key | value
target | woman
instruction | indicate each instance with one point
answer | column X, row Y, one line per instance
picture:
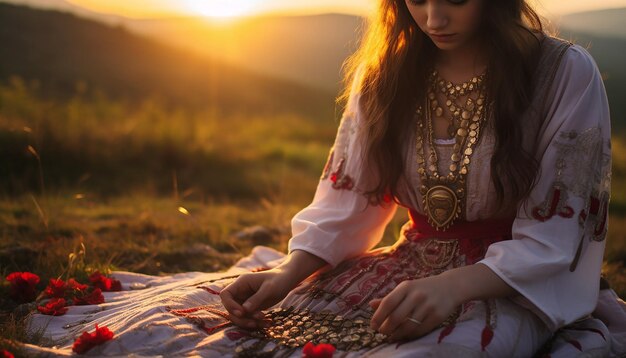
column 503, row 117
column 495, row 137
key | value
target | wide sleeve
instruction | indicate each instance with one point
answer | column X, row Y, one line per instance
column 555, row 255
column 340, row 222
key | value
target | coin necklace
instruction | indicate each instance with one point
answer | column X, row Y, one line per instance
column 443, row 195
column 452, row 93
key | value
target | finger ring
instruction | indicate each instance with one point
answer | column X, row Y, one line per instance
column 417, row 322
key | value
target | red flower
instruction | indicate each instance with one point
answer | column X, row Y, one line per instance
column 94, row 298
column 75, row 285
column 23, row 286
column 6, row 354
column 56, row 288
column 116, row 285
column 321, row 350
column 104, row 283
column 54, row 307
column 89, row 340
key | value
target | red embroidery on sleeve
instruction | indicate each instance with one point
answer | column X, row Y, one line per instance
column 597, row 210
column 555, row 204
column 340, row 180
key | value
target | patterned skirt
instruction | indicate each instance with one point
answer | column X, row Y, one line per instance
column 181, row 315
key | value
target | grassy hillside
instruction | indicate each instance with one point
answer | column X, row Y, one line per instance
column 60, row 50
column 110, row 147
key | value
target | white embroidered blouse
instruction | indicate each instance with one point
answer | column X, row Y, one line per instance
column 555, row 255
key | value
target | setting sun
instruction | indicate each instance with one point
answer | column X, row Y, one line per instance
column 220, row 8
column 229, row 9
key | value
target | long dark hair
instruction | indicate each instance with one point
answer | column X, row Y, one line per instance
column 394, row 59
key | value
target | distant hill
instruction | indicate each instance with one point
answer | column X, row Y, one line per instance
column 307, row 49
column 608, row 22
column 66, row 6
column 59, row 50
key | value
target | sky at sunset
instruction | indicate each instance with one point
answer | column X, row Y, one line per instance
column 234, row 8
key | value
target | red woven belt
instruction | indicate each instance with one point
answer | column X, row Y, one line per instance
column 461, row 229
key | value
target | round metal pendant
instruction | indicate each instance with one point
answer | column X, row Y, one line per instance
column 441, row 205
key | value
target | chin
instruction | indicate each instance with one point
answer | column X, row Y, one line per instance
column 446, row 46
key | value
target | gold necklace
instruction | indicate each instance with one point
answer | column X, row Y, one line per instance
column 452, row 92
column 444, row 196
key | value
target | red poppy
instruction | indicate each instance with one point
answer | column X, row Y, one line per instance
column 94, row 298
column 321, row 350
column 104, row 283
column 116, row 285
column 89, row 340
column 6, row 354
column 75, row 285
column 23, row 286
column 54, row 307
column 56, row 288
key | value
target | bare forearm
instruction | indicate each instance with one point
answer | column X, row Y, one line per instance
column 477, row 281
column 301, row 264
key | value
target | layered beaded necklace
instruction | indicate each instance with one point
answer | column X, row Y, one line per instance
column 444, row 195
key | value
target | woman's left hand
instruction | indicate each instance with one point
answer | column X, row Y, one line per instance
column 428, row 300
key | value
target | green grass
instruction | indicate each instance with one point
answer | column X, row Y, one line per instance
column 111, row 148
column 140, row 233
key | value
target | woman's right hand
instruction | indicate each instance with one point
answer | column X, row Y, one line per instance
column 251, row 293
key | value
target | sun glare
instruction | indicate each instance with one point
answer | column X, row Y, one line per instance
column 220, row 8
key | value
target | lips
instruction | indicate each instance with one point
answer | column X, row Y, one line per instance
column 442, row 37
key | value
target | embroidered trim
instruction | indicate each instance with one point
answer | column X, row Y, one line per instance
column 490, row 324
column 597, row 210
column 339, row 179
column 555, row 204
column 580, row 160
column 209, row 290
column 583, row 166
column 202, row 321
column 438, row 254
column 450, row 323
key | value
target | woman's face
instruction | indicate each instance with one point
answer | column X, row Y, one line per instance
column 451, row 24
